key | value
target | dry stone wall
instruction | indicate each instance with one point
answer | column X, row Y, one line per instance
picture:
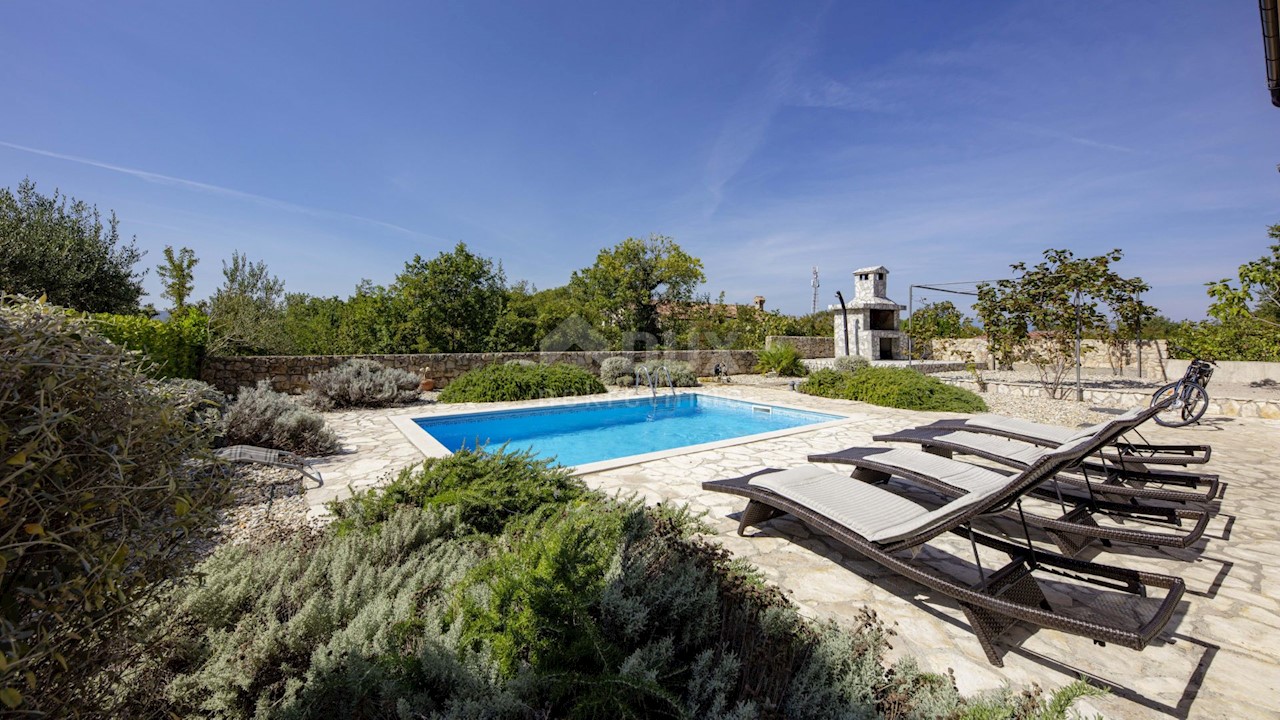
column 809, row 346
column 1126, row 399
column 289, row 373
column 1093, row 355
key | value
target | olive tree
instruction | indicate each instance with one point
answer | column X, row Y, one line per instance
column 108, row 495
column 246, row 314
column 60, row 247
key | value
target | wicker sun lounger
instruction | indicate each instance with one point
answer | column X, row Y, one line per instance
column 1117, row 479
column 887, row 528
column 269, row 456
column 1120, row 451
column 1074, row 530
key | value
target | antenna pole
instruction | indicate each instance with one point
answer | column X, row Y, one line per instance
column 815, row 289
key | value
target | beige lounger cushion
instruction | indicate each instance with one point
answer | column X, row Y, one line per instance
column 874, row 513
column 1048, row 433
column 1016, row 450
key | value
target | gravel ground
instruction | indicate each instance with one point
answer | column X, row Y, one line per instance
column 268, row 505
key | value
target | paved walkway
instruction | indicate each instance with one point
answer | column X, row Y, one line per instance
column 1218, row 657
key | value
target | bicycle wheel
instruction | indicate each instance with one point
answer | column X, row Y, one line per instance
column 1189, row 404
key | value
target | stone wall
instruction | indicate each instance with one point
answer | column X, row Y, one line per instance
column 1093, row 355
column 1232, row 371
column 1126, row 399
column 808, row 346
column 289, row 373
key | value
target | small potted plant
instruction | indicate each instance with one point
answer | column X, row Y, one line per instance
column 427, row 383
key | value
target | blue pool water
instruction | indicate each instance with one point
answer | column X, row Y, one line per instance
column 591, row 432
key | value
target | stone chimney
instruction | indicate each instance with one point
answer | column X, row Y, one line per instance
column 872, row 318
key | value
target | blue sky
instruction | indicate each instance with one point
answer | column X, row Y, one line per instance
column 944, row 140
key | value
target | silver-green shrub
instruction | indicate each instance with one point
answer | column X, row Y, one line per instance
column 360, row 382
column 262, row 416
column 614, row 370
column 351, row 626
column 682, row 374
column 851, row 363
column 105, row 487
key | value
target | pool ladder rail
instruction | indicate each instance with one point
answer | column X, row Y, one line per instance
column 652, row 376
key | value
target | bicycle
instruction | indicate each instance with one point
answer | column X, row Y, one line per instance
column 1190, row 399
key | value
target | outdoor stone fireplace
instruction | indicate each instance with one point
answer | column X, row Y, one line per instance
column 872, row 319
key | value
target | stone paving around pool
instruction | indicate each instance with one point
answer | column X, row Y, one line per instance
column 1218, row 657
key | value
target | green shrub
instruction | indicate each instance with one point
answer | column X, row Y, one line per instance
column 1243, row 339
column 501, row 382
column 174, row 347
column 262, row 416
column 349, row 626
column 783, row 359
column 618, row 371
column 205, row 402
column 584, row 606
column 362, row 383
column 893, row 387
column 851, row 363
column 100, row 500
column 488, row 490
column 682, row 374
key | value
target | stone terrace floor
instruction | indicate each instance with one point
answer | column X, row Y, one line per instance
column 1218, row 657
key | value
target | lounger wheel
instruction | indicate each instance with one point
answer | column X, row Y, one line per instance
column 1190, row 402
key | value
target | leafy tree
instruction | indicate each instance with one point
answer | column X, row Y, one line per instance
column 59, row 247
column 176, row 274
column 816, row 324
column 934, row 321
column 1059, row 299
column 452, row 301
column 246, row 313
column 715, row 324
column 516, row 329
column 630, row 282
column 373, row 321
column 1258, row 297
column 311, row 325
column 1246, row 319
column 1158, row 327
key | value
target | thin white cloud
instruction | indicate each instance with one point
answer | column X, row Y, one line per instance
column 750, row 117
column 171, row 181
column 1047, row 133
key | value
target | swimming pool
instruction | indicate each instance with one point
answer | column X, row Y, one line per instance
column 589, row 433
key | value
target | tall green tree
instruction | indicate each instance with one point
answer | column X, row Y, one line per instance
column 246, row 313
column 59, row 247
column 311, row 325
column 374, row 321
column 934, row 321
column 177, row 276
column 452, row 301
column 1058, row 298
column 1246, row 318
column 630, row 282
column 1257, row 299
